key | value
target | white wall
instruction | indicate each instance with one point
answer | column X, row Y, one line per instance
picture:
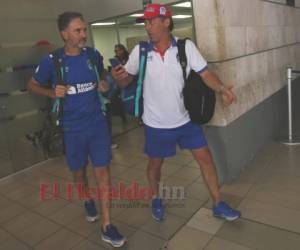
column 104, row 41
column 250, row 44
column 131, row 32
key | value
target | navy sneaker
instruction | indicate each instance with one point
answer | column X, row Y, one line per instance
column 158, row 210
column 112, row 236
column 224, row 211
column 91, row 211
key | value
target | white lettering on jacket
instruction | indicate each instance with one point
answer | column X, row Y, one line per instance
column 81, row 88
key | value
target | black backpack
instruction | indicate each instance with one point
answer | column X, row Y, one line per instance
column 51, row 136
column 199, row 99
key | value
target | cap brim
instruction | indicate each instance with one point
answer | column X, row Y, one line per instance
column 143, row 18
column 140, row 19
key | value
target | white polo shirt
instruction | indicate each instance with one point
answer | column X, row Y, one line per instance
column 163, row 84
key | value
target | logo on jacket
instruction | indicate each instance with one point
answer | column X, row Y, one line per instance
column 89, row 64
column 85, row 87
column 72, row 90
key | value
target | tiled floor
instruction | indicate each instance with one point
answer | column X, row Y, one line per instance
column 267, row 193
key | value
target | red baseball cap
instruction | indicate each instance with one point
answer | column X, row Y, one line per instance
column 155, row 10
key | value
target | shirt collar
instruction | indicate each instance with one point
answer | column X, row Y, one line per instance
column 173, row 43
column 63, row 54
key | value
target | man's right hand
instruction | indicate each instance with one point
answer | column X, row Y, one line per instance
column 121, row 76
column 119, row 73
column 60, row 91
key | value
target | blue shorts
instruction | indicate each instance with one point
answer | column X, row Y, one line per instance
column 94, row 143
column 160, row 143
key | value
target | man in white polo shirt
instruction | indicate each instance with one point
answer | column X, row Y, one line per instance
column 167, row 122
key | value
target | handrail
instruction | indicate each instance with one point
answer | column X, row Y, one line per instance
column 291, row 140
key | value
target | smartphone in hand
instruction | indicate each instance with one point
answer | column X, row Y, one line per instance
column 114, row 62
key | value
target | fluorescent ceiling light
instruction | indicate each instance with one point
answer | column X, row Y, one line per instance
column 184, row 5
column 103, row 24
column 136, row 15
column 140, row 24
column 181, row 16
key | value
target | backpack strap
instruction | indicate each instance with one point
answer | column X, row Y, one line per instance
column 91, row 56
column 182, row 56
column 142, row 69
column 57, row 107
column 56, row 56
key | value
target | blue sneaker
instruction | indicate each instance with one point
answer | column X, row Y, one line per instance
column 158, row 210
column 223, row 210
column 112, row 236
column 91, row 211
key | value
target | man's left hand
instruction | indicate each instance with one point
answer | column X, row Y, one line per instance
column 103, row 86
column 228, row 96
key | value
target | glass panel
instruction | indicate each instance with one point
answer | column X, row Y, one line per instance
column 12, row 81
column 21, row 103
column 5, row 157
column 20, row 116
column 21, row 56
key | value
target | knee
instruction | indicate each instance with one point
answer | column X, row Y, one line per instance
column 204, row 157
column 102, row 173
column 80, row 176
column 155, row 163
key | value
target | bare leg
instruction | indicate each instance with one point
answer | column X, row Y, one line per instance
column 209, row 173
column 81, row 181
column 153, row 173
column 103, row 180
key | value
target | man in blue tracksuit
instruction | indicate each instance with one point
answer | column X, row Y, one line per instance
column 84, row 123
